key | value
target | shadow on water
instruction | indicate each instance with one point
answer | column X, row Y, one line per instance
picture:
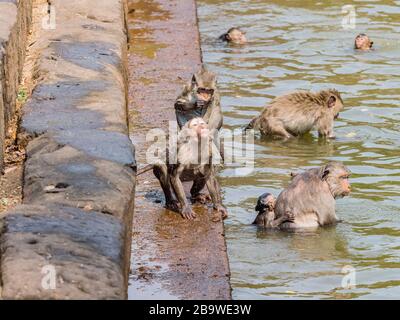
column 302, row 45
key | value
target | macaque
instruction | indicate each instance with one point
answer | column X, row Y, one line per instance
column 362, row 42
column 200, row 98
column 297, row 113
column 194, row 163
column 266, row 212
column 234, row 35
column 310, row 196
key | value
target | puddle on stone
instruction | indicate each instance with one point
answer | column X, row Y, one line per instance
column 141, row 39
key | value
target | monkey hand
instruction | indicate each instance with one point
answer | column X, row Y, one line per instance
column 201, row 198
column 221, row 210
column 173, row 205
column 188, row 213
column 289, row 216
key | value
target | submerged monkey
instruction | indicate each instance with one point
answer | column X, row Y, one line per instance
column 234, row 35
column 297, row 113
column 309, row 200
column 266, row 212
column 363, row 42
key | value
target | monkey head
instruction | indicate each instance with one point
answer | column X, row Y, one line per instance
column 331, row 103
column 204, row 84
column 199, row 126
column 186, row 100
column 196, row 96
column 362, row 42
column 266, row 202
column 334, row 102
column 234, row 35
column 336, row 175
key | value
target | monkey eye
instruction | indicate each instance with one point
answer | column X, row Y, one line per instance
column 205, row 90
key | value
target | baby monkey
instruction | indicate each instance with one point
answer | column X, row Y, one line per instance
column 194, row 162
column 234, row 35
column 266, row 212
column 363, row 42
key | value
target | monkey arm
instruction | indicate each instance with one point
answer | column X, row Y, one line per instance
column 215, row 193
column 215, row 190
column 213, row 115
column 271, row 222
column 275, row 223
column 215, row 120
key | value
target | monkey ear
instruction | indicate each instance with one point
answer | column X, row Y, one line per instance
column 324, row 173
column 370, row 44
column 203, row 69
column 194, row 83
column 331, row 101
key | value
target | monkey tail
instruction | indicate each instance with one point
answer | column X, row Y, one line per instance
column 254, row 124
column 145, row 169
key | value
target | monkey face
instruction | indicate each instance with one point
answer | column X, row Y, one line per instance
column 204, row 96
column 337, row 177
column 199, row 126
column 362, row 42
column 345, row 184
column 186, row 101
column 265, row 202
column 236, row 36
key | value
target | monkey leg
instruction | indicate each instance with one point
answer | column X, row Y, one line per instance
column 176, row 182
column 215, row 192
column 196, row 196
column 276, row 128
column 161, row 173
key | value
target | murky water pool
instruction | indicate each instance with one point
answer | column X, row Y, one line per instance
column 303, row 45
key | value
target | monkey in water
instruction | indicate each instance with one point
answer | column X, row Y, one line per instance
column 266, row 212
column 363, row 42
column 297, row 113
column 310, row 197
column 194, row 162
column 234, row 35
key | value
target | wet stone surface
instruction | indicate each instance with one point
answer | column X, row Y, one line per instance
column 172, row 258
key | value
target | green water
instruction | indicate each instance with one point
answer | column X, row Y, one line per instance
column 302, row 45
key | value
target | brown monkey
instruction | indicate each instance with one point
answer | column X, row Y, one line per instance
column 266, row 212
column 311, row 195
column 297, row 113
column 234, row 35
column 362, row 42
column 194, row 163
column 200, row 98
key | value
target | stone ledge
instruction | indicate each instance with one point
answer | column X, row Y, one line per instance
column 79, row 177
column 84, row 248
column 15, row 22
